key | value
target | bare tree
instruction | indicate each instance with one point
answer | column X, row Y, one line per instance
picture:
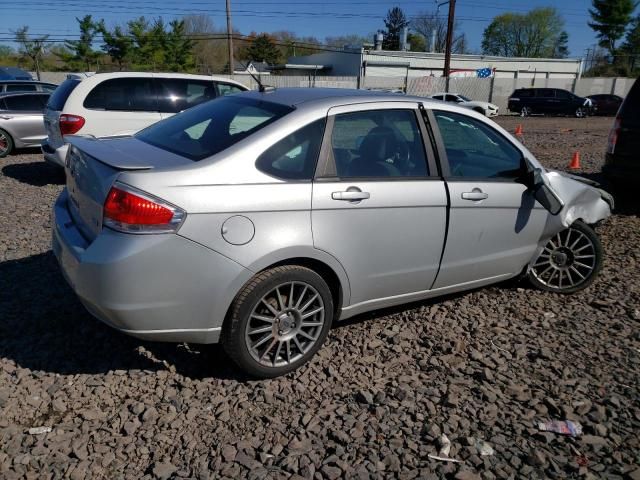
column 425, row 23
column 34, row 47
column 210, row 54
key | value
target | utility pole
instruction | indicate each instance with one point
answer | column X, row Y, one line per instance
column 447, row 53
column 230, row 38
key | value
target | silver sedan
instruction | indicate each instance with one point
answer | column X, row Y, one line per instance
column 21, row 120
column 258, row 219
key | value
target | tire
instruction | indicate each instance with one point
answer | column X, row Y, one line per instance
column 574, row 254
column 580, row 112
column 265, row 352
column 525, row 112
column 6, row 143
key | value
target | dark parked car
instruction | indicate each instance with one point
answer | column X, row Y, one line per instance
column 21, row 120
column 14, row 73
column 555, row 101
column 605, row 104
column 622, row 159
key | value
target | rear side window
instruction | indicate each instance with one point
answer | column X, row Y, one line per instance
column 228, row 89
column 61, row 94
column 523, row 93
column 123, row 94
column 295, row 156
column 49, row 88
column 207, row 129
column 546, row 93
column 176, row 94
column 26, row 103
column 16, row 87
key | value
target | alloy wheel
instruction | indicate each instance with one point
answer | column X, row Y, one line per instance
column 568, row 260
column 580, row 112
column 285, row 324
column 525, row 112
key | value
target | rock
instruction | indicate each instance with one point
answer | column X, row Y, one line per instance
column 163, row 470
column 467, row 475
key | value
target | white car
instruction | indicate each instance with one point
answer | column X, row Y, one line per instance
column 122, row 103
column 485, row 108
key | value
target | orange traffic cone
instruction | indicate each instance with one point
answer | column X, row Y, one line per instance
column 518, row 131
column 574, row 164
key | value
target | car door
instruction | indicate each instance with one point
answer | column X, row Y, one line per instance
column 494, row 221
column 23, row 117
column 548, row 101
column 378, row 205
column 121, row 106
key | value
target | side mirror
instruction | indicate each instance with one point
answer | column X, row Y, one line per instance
column 541, row 190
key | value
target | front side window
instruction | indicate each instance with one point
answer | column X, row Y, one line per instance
column 476, row 150
column 134, row 94
column 228, row 89
column 207, row 129
column 378, row 144
column 295, row 156
column 177, row 94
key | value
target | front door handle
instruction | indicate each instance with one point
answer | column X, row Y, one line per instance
column 3, row 117
column 476, row 194
column 351, row 195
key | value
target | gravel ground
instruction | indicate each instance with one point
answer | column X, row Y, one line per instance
column 480, row 366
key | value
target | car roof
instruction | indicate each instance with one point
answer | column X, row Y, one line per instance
column 15, row 94
column 27, row 82
column 98, row 77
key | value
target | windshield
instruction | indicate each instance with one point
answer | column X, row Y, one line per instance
column 466, row 99
column 212, row 127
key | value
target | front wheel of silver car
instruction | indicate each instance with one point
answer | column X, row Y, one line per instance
column 6, row 143
column 569, row 262
column 278, row 321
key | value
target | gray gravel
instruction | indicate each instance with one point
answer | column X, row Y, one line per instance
column 374, row 403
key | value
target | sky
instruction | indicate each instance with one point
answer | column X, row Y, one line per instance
column 318, row 18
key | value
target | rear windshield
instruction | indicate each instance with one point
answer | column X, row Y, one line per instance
column 210, row 128
column 59, row 96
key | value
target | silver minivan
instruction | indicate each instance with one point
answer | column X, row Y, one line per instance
column 258, row 219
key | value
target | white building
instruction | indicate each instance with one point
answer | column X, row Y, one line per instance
column 381, row 63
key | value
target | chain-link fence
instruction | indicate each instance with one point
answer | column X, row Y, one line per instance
column 494, row 90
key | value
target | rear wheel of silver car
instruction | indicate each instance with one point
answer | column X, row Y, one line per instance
column 6, row 143
column 525, row 112
column 569, row 262
column 278, row 321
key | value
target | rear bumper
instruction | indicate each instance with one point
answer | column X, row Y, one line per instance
column 621, row 172
column 155, row 287
column 55, row 156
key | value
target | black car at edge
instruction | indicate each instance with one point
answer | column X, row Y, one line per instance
column 622, row 158
column 554, row 101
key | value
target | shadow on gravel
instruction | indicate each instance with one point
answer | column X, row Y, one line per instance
column 43, row 327
column 37, row 174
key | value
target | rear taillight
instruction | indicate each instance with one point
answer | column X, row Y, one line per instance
column 70, row 124
column 130, row 211
column 613, row 136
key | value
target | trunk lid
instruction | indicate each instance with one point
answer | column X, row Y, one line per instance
column 93, row 165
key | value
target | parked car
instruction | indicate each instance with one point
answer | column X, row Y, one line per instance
column 485, row 108
column 257, row 219
column 555, row 101
column 605, row 104
column 622, row 160
column 116, row 104
column 21, row 123
column 14, row 73
column 26, row 86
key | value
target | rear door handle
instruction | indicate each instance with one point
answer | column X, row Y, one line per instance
column 3, row 117
column 475, row 195
column 351, row 195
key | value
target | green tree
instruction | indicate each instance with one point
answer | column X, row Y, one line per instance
column 81, row 50
column 178, row 47
column 395, row 21
column 631, row 46
column 610, row 20
column 262, row 48
column 562, row 46
column 117, row 44
column 534, row 34
column 33, row 48
column 417, row 42
column 351, row 40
